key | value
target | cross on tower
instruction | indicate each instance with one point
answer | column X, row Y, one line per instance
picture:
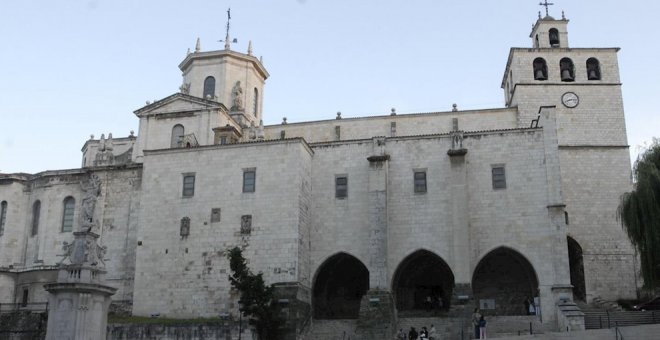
column 546, row 4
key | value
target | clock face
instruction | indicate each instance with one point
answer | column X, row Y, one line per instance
column 570, row 99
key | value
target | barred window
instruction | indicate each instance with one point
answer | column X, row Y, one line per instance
column 341, row 186
column 188, row 185
column 499, row 177
column 420, row 181
column 67, row 215
column 249, row 180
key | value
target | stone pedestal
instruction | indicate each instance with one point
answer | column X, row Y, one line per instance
column 79, row 300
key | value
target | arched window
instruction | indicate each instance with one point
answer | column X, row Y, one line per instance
column 593, row 69
column 209, row 87
column 540, row 69
column 3, row 216
column 554, row 37
column 36, row 211
column 177, row 136
column 567, row 69
column 67, row 214
column 255, row 102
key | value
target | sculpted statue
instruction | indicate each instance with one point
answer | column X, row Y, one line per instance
column 185, row 88
column 92, row 189
column 237, row 96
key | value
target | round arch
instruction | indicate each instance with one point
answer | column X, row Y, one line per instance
column 420, row 275
column 503, row 280
column 339, row 284
column 576, row 265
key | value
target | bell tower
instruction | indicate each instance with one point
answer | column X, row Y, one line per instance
column 583, row 87
column 232, row 78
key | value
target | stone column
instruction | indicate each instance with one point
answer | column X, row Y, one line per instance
column 459, row 218
column 79, row 300
column 376, row 319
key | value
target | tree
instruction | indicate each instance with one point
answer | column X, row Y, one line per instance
column 256, row 299
column 639, row 213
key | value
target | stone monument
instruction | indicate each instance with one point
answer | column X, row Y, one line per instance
column 79, row 300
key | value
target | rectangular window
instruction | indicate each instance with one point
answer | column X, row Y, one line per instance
column 249, row 180
column 337, row 132
column 499, row 177
column 3, row 216
column 36, row 211
column 223, row 140
column 420, row 181
column 215, row 215
column 188, row 185
column 67, row 215
column 24, row 301
column 341, row 186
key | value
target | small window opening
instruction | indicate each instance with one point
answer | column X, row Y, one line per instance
column 499, row 177
column 341, row 187
column 36, row 211
column 177, row 136
column 67, row 214
column 209, row 88
column 420, row 181
column 188, row 185
column 593, row 69
column 540, row 69
column 3, row 216
column 24, row 301
column 567, row 69
column 566, row 217
column 554, row 37
column 249, row 180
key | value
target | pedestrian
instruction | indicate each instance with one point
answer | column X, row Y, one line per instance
column 482, row 328
column 401, row 335
column 476, row 317
column 531, row 308
column 412, row 334
column 432, row 332
column 424, row 334
column 527, row 302
column 428, row 303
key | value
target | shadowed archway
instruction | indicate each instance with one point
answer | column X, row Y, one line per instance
column 576, row 265
column 340, row 283
column 504, row 279
column 420, row 275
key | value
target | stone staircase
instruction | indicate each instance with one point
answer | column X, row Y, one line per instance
column 446, row 328
column 343, row 329
column 608, row 314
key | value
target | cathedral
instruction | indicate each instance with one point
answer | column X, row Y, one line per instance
column 349, row 218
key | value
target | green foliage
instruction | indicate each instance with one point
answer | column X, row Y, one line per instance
column 256, row 297
column 639, row 213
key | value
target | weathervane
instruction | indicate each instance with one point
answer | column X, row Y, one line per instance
column 545, row 3
column 227, row 40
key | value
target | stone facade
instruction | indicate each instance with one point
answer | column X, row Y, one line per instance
column 483, row 201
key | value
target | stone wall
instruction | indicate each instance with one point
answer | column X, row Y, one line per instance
column 186, row 275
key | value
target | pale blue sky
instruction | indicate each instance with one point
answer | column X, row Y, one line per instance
column 71, row 68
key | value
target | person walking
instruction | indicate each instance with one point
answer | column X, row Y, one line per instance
column 432, row 332
column 412, row 334
column 482, row 328
column 401, row 335
column 476, row 317
column 424, row 334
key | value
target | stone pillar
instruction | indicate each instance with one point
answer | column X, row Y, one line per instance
column 79, row 300
column 460, row 231
column 376, row 319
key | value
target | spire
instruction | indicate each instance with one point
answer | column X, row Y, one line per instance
column 198, row 46
column 249, row 52
column 227, row 41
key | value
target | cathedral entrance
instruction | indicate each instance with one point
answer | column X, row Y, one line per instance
column 504, row 283
column 423, row 281
column 340, row 283
column 576, row 265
